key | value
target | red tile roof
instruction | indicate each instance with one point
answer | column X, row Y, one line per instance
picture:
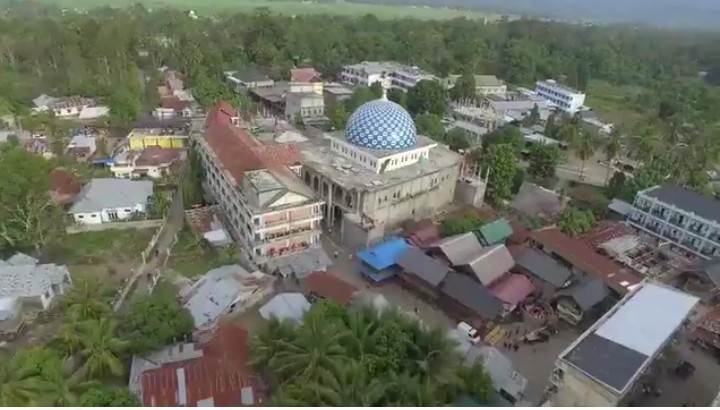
column 422, row 233
column 304, row 75
column 520, row 233
column 155, row 156
column 586, row 259
column 239, row 152
column 326, row 285
column 64, row 182
column 221, row 375
column 512, row 289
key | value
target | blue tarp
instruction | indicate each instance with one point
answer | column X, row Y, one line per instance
column 373, row 275
column 103, row 161
column 385, row 254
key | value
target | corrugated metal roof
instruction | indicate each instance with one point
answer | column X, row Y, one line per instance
column 384, row 254
column 491, row 264
column 544, row 267
column 687, row 200
column 458, row 249
column 417, row 263
column 286, row 306
column 471, row 294
column 495, row 232
column 512, row 289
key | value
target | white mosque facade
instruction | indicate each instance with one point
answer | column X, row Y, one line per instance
column 378, row 173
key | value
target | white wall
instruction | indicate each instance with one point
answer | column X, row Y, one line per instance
column 375, row 164
column 104, row 215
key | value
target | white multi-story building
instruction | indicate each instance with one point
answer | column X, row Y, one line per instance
column 389, row 74
column 270, row 210
column 684, row 218
column 566, row 98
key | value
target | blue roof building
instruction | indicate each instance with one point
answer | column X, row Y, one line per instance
column 378, row 262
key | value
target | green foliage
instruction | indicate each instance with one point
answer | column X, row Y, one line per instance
column 508, row 134
column 338, row 115
column 159, row 205
column 359, row 358
column 464, row 88
column 19, row 382
column 543, row 159
column 360, row 96
column 574, row 221
column 124, row 107
column 503, row 167
column 430, row 125
column 466, row 223
column 427, row 97
column 100, row 349
column 155, row 321
column 456, row 140
column 89, row 299
column 191, row 183
column 398, row 96
column 108, row 397
column 28, row 218
column 533, row 117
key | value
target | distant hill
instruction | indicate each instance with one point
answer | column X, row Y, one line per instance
column 699, row 14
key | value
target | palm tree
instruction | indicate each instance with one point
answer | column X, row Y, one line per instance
column 61, row 388
column 316, row 347
column 267, row 342
column 435, row 361
column 69, row 336
column 612, row 148
column 101, row 349
column 584, row 146
column 359, row 340
column 349, row 385
column 87, row 300
column 19, row 382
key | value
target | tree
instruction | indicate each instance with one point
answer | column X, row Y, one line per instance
column 502, row 165
column 398, row 96
column 159, row 205
column 583, row 143
column 124, row 107
column 191, row 182
column 466, row 223
column 574, row 221
column 430, row 125
column 464, row 88
column 108, row 397
column 338, row 115
column 62, row 389
column 154, row 321
column 543, row 160
column 19, row 382
column 427, row 97
column 507, row 134
column 101, row 349
column 102, row 148
column 89, row 299
column 551, row 126
column 360, row 96
column 611, row 148
column 456, row 140
column 28, row 217
column 533, row 117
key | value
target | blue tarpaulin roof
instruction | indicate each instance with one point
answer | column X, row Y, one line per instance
column 384, row 254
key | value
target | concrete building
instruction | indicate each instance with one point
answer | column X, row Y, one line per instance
column 269, row 210
column 378, row 173
column 63, row 107
column 389, row 74
column 110, row 200
column 152, row 162
column 296, row 102
column 249, row 78
column 566, row 98
column 688, row 220
column 603, row 367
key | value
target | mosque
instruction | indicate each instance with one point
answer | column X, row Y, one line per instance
column 378, row 173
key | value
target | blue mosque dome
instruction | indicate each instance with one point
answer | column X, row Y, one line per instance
column 381, row 125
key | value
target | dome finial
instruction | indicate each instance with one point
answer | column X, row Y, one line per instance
column 384, row 92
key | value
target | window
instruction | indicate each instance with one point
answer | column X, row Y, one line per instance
column 93, row 215
column 128, row 210
column 80, row 216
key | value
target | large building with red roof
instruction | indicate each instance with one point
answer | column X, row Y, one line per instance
column 269, row 208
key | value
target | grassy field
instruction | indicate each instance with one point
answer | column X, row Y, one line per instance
column 614, row 103
column 291, row 7
column 89, row 248
column 191, row 259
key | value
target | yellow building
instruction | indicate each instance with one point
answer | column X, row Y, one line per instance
column 141, row 138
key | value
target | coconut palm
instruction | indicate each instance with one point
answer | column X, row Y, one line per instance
column 101, row 349
column 69, row 337
column 19, row 382
column 316, row 347
column 61, row 388
column 87, row 300
column 359, row 339
column 348, row 385
column 611, row 148
column 267, row 341
column 583, row 144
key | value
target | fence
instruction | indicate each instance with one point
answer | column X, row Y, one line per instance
column 148, row 223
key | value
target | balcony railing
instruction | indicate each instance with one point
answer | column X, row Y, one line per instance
column 287, row 234
column 291, row 220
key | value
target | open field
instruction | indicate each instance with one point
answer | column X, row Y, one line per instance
column 290, row 7
column 614, row 103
